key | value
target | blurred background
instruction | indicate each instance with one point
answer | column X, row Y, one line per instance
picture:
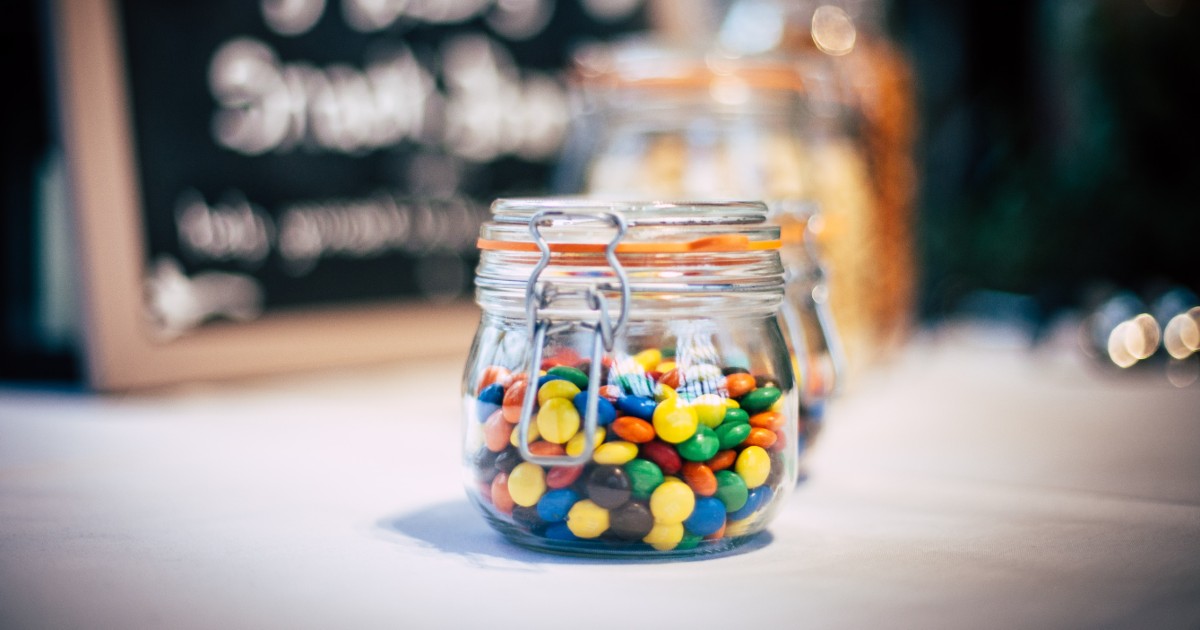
column 1022, row 163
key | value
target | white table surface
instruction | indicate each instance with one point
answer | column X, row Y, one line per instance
column 958, row 486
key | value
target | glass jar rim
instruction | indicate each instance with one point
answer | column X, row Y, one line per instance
column 637, row 212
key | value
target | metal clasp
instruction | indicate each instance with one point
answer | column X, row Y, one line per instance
column 538, row 296
column 815, row 281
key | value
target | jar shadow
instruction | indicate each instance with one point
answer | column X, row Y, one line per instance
column 455, row 527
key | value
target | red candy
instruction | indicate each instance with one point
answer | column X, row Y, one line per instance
column 662, row 454
column 562, row 476
column 514, row 397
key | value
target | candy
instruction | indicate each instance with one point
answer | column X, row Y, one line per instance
column 739, row 385
column 731, row 490
column 662, row 454
column 557, row 420
column 500, row 496
column 734, row 370
column 772, row 420
column 672, row 501
column 576, row 376
column 637, row 406
column 722, row 460
column 760, row 399
column 575, row 444
column 585, row 519
column 496, row 432
column 526, row 484
column 707, row 517
column 633, row 429
column 699, row 478
column 493, row 374
column 729, row 435
column 563, row 476
column 605, row 412
column 615, row 453
column 701, row 446
column 644, row 477
column 683, row 455
column 608, row 486
column 664, row 536
column 557, row 389
column 553, row 505
column 753, row 465
column 631, row 521
column 674, row 421
column 710, row 410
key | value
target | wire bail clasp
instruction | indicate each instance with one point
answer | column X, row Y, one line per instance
column 538, row 296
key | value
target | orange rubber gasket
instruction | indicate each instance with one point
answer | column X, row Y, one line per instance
column 720, row 243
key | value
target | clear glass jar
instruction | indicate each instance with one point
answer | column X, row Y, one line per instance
column 663, row 417
column 664, row 123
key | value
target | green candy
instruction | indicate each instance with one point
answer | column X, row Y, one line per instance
column 689, row 541
column 731, row 490
column 730, row 434
column 760, row 399
column 575, row 375
column 644, row 476
column 736, row 415
column 701, row 446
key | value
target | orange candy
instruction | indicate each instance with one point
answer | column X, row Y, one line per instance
column 772, row 420
column 700, row 479
column 548, row 449
column 494, row 374
column 514, row 397
column 610, row 393
column 672, row 379
column 500, row 496
column 633, row 429
column 717, row 535
column 496, row 432
column 722, row 460
column 761, row 437
column 739, row 385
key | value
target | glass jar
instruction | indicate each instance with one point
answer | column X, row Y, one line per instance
column 661, row 416
column 659, row 123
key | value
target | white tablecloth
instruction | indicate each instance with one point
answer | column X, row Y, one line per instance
column 958, row 486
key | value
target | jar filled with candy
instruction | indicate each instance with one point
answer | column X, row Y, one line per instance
column 629, row 391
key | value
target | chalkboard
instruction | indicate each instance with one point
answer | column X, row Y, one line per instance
column 238, row 164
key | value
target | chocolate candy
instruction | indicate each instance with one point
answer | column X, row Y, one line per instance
column 631, row 521
column 608, row 486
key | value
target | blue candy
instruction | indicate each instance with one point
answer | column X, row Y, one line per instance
column 559, row 531
column 493, row 393
column 554, row 505
column 759, row 497
column 707, row 517
column 637, row 406
column 605, row 413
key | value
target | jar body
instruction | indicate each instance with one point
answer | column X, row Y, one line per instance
column 695, row 446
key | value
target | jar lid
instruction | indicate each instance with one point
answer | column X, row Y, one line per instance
column 569, row 225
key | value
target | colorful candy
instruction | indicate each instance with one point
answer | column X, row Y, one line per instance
column 685, row 455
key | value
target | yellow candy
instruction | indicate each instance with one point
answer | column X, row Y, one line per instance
column 753, row 465
column 534, row 435
column 732, row 404
column 557, row 420
column 527, row 484
column 672, row 501
column 739, row 528
column 665, row 392
column 587, row 520
column 558, row 388
column 664, row 536
column 615, row 453
column 674, row 420
column 665, row 366
column 648, row 359
column 575, row 444
column 710, row 410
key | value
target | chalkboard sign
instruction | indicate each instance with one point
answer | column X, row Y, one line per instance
column 290, row 183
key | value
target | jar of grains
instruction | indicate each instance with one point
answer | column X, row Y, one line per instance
column 629, row 390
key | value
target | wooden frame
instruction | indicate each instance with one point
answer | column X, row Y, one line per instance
column 119, row 351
